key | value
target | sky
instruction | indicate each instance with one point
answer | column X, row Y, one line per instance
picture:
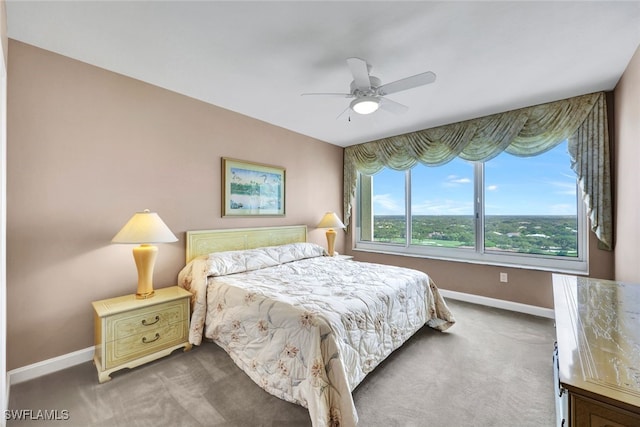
column 540, row 185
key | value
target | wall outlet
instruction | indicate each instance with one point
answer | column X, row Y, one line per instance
column 504, row 278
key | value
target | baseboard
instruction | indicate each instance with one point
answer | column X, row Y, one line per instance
column 498, row 303
column 49, row 366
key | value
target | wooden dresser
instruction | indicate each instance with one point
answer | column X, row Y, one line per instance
column 130, row 331
column 597, row 358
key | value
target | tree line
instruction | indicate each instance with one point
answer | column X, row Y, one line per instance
column 548, row 235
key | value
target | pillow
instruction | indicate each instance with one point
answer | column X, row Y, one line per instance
column 230, row 262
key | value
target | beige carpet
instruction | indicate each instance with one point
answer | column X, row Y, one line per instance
column 493, row 368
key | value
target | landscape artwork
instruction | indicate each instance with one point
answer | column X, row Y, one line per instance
column 252, row 189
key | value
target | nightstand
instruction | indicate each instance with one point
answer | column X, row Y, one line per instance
column 130, row 332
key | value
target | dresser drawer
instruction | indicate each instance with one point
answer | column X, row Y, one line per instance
column 592, row 413
column 147, row 320
column 141, row 344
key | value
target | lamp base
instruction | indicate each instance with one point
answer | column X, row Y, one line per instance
column 331, row 240
column 145, row 257
column 145, row 296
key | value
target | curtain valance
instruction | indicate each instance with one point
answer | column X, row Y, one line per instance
column 524, row 132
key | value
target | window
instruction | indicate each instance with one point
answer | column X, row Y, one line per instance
column 442, row 209
column 387, row 222
column 510, row 210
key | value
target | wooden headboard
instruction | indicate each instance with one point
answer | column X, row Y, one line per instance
column 202, row 242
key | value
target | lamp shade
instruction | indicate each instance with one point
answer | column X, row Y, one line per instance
column 330, row 220
column 145, row 227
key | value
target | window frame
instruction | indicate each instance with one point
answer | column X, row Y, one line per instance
column 478, row 255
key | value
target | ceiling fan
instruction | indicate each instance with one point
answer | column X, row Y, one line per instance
column 369, row 92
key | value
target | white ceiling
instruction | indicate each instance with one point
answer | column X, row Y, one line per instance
column 256, row 58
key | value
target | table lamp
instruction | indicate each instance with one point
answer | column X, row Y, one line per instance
column 330, row 220
column 145, row 228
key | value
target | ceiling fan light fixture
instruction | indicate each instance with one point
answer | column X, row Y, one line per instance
column 365, row 105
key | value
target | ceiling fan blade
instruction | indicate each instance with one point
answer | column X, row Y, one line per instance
column 341, row 95
column 342, row 114
column 360, row 71
column 392, row 106
column 407, row 83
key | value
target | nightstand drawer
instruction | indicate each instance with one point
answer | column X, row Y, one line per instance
column 143, row 343
column 146, row 320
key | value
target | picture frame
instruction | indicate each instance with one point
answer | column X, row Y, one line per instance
column 252, row 189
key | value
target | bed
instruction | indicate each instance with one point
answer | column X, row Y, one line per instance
column 304, row 326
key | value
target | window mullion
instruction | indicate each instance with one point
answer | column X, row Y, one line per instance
column 478, row 171
column 407, row 209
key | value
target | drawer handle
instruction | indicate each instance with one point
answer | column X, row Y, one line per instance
column 144, row 339
column 144, row 321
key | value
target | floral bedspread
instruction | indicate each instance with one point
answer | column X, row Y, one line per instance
column 306, row 327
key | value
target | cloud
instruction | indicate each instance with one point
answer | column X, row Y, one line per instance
column 385, row 204
column 455, row 180
column 442, row 207
column 492, row 187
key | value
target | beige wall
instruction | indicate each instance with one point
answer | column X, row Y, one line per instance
column 86, row 149
column 627, row 137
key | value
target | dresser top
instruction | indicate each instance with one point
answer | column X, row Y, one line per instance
column 598, row 331
column 107, row 307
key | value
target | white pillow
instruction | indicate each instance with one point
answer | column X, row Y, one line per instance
column 230, row 262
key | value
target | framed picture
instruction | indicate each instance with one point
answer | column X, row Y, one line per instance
column 252, row 189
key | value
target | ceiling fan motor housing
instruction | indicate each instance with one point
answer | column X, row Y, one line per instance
column 375, row 83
